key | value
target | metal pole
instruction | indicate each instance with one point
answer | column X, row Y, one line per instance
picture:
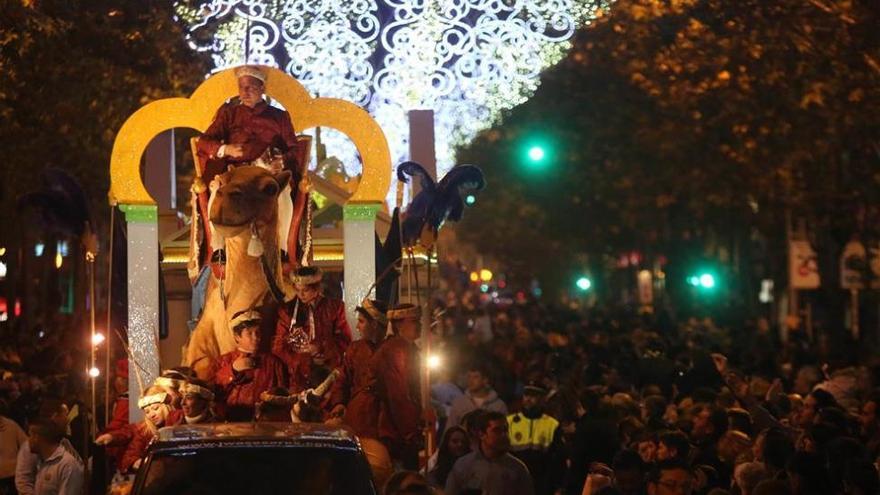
column 108, row 346
column 426, row 356
column 92, row 361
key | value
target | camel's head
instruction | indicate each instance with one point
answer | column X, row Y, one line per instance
column 246, row 194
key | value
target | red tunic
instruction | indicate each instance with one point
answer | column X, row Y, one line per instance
column 356, row 388
column 331, row 333
column 118, row 428
column 396, row 366
column 240, row 390
column 141, row 436
column 255, row 129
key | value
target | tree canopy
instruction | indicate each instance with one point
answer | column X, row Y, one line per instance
column 686, row 128
column 73, row 71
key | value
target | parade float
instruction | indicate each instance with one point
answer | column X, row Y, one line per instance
column 129, row 193
column 253, row 274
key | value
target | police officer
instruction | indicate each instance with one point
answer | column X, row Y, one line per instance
column 536, row 439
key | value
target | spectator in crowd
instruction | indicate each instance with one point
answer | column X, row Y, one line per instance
column 629, row 473
column 59, row 472
column 673, row 445
column 407, row 483
column 773, row 448
column 12, row 437
column 672, row 477
column 479, row 394
column 807, row 475
column 490, row 469
column 653, row 410
column 454, row 445
column 817, row 400
column 595, row 439
column 747, row 475
column 52, row 411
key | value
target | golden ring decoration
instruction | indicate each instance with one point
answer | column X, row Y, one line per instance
column 197, row 112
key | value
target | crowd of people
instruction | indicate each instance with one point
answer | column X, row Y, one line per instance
column 529, row 399
column 602, row 402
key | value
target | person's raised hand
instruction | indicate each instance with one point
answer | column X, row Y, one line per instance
column 338, row 411
column 720, row 361
column 774, row 390
column 104, row 439
column 233, row 151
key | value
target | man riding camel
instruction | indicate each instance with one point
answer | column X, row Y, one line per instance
column 249, row 131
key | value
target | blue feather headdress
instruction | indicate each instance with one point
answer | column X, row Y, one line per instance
column 436, row 202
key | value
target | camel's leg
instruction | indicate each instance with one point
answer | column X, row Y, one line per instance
column 204, row 347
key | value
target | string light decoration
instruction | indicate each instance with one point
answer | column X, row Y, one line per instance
column 467, row 60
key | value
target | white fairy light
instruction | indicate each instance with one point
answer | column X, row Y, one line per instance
column 467, row 60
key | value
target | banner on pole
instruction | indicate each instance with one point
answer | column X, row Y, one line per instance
column 803, row 269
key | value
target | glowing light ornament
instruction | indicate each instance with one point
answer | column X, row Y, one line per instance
column 468, row 60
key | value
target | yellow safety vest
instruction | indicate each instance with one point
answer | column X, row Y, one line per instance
column 531, row 434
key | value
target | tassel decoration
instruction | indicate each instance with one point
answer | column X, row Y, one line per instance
column 255, row 245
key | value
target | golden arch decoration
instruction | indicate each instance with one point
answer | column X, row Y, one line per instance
column 197, row 111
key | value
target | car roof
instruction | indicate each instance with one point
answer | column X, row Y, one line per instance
column 263, row 433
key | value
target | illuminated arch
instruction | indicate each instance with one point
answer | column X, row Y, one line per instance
column 197, row 111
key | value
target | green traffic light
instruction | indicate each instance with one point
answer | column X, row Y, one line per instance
column 584, row 283
column 707, row 281
column 703, row 280
column 470, row 199
column 537, row 153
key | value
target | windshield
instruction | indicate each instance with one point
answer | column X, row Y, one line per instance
column 257, row 470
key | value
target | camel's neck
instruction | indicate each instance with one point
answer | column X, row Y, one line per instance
column 245, row 285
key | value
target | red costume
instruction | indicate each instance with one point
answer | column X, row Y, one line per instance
column 396, row 367
column 117, row 427
column 141, row 435
column 255, row 129
column 240, row 390
column 356, row 387
column 323, row 323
